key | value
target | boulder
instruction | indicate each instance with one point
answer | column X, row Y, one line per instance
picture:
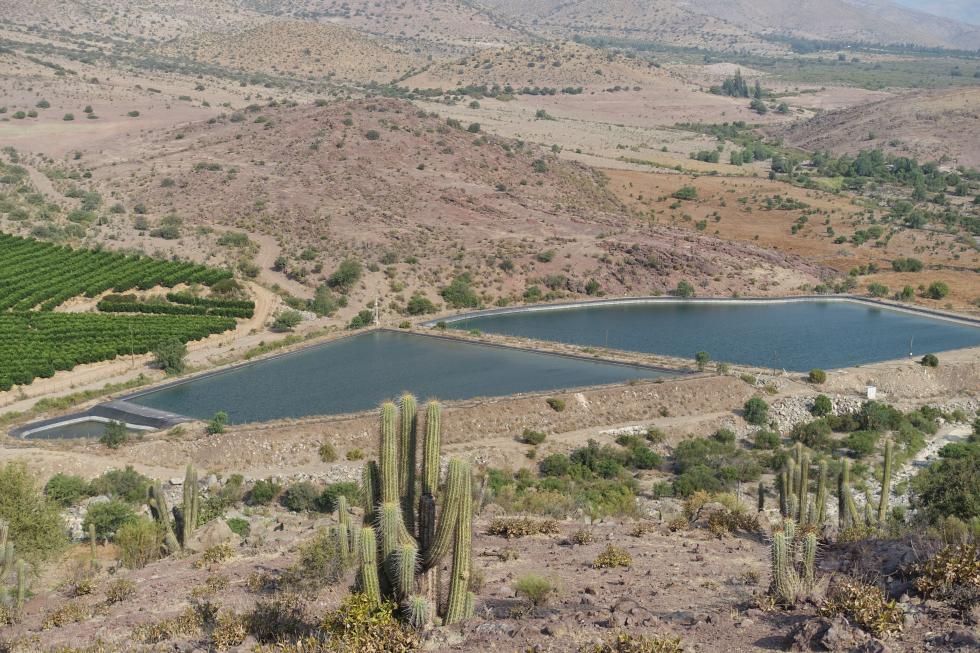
column 214, row 533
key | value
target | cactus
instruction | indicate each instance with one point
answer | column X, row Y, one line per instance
column 459, row 582
column 848, row 509
column 784, row 579
column 820, row 504
column 369, row 565
column 783, row 488
column 886, row 484
column 6, row 550
column 93, row 552
column 803, row 489
column 21, row 584
column 406, row 564
column 407, row 448
column 792, row 579
column 809, row 559
column 189, row 512
column 157, row 501
column 370, row 490
column 761, row 498
column 418, row 611
column 410, row 534
column 388, row 465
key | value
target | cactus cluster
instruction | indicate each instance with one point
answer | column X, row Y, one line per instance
column 187, row 515
column 848, row 515
column 793, row 556
column 399, row 549
column 794, row 489
column 9, row 565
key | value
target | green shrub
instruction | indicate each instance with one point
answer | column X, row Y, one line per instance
column 36, row 527
column 613, row 556
column 66, row 490
column 821, row 406
column 347, row 274
column 536, row 589
column 354, row 454
column 756, row 411
column 862, row 443
column 817, row 375
column 930, row 360
column 263, row 492
column 459, row 294
column 171, row 356
column 327, row 453
column 765, row 439
column 701, row 359
column 684, row 289
column 138, row 541
column 115, row 435
column 557, row 405
column 327, row 501
column 815, row 434
column 300, row 497
column 126, row 484
column 217, row 423
column 685, row 193
column 532, row 437
column 937, row 290
column 108, row 517
column 725, row 436
column 287, row 320
column 949, row 486
column 239, row 526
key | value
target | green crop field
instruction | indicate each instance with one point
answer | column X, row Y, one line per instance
column 36, row 277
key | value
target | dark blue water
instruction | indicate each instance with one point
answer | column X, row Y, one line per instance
column 359, row 373
column 792, row 336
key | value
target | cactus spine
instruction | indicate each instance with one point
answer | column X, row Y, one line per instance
column 191, row 505
column 157, row 501
column 410, row 534
column 886, row 484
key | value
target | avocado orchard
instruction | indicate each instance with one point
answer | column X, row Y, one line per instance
column 36, row 277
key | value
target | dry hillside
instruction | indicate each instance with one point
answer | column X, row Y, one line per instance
column 424, row 200
column 928, row 125
column 736, row 24
column 309, row 50
column 556, row 65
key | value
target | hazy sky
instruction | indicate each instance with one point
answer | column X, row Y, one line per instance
column 964, row 10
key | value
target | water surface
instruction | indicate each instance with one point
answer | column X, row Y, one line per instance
column 360, row 372
column 795, row 336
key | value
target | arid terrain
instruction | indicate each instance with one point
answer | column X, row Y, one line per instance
column 343, row 165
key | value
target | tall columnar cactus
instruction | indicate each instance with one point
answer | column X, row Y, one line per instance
column 849, row 515
column 191, row 505
column 820, row 503
column 369, row 565
column 761, row 498
column 21, row 584
column 409, row 528
column 6, row 551
column 407, row 448
column 803, row 489
column 792, row 579
column 93, row 552
column 459, row 583
column 886, row 484
column 157, row 501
